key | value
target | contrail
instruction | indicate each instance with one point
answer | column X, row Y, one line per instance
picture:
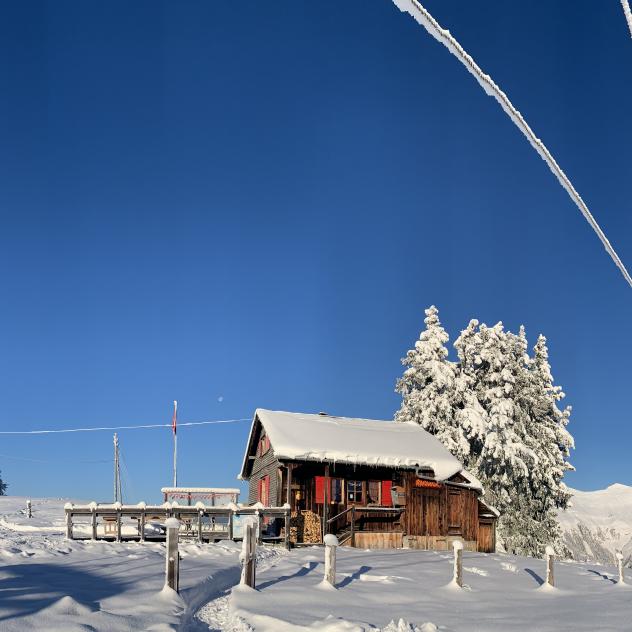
column 424, row 18
column 628, row 14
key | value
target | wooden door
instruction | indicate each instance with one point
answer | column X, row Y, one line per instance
column 455, row 512
column 486, row 542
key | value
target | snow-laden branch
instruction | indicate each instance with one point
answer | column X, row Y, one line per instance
column 628, row 14
column 423, row 17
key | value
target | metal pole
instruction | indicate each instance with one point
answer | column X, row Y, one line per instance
column 175, row 443
column 116, row 498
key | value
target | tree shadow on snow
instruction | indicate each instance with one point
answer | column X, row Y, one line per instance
column 308, row 568
column 351, row 578
column 30, row 588
column 609, row 579
column 534, row 575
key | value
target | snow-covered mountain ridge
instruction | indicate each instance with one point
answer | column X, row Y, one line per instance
column 598, row 524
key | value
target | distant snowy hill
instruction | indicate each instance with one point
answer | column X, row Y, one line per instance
column 598, row 524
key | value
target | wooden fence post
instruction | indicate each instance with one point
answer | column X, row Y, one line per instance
column 142, row 519
column 29, row 513
column 550, row 575
column 457, row 578
column 248, row 554
column 331, row 544
column 200, row 507
column 621, row 571
column 288, row 512
column 93, row 519
column 172, row 570
column 68, row 508
column 119, row 526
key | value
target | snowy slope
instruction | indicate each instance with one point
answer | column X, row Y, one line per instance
column 598, row 524
column 49, row 583
column 503, row 594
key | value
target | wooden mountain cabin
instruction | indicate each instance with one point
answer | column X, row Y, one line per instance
column 375, row 484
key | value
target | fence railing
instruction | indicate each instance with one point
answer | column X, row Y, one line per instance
column 356, row 515
column 146, row 522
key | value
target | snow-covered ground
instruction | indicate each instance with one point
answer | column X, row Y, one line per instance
column 48, row 583
column 599, row 524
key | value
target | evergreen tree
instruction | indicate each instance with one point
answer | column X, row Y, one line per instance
column 3, row 487
column 428, row 386
column 496, row 409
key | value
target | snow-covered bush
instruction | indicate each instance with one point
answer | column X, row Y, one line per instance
column 496, row 409
column 3, row 486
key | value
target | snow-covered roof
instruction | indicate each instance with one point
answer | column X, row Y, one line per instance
column 309, row 437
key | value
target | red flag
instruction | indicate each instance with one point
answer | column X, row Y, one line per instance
column 174, row 421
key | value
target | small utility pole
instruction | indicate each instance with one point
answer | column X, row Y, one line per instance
column 174, row 427
column 118, row 493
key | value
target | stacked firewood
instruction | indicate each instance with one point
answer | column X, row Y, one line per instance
column 305, row 527
column 311, row 527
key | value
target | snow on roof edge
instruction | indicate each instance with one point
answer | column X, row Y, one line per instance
column 424, row 450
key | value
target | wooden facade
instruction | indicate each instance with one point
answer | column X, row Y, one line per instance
column 366, row 505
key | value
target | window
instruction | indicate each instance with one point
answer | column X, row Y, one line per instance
column 264, row 490
column 373, row 493
column 354, row 491
column 264, row 445
column 336, row 490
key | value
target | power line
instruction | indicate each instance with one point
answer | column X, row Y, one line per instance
column 26, row 458
column 138, row 427
column 628, row 14
column 423, row 17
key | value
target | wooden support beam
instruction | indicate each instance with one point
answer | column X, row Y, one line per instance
column 289, row 499
column 199, row 529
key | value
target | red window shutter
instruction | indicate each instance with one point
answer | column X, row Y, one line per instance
column 266, row 491
column 259, row 488
column 320, row 489
column 386, row 494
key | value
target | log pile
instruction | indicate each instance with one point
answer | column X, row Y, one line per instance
column 305, row 527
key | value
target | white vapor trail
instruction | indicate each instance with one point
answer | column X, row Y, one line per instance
column 423, row 17
column 628, row 14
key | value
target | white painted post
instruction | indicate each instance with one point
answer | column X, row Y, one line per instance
column 550, row 556
column 29, row 513
column 331, row 544
column 248, row 554
column 172, row 567
column 620, row 565
column 457, row 545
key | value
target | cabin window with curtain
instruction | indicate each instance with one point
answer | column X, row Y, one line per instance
column 374, row 489
column 336, row 490
column 354, row 491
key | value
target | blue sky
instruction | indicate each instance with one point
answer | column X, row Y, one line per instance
column 254, row 203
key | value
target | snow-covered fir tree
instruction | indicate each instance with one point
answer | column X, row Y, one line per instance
column 3, row 486
column 428, row 386
column 503, row 405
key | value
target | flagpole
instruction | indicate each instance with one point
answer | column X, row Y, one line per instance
column 175, row 443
